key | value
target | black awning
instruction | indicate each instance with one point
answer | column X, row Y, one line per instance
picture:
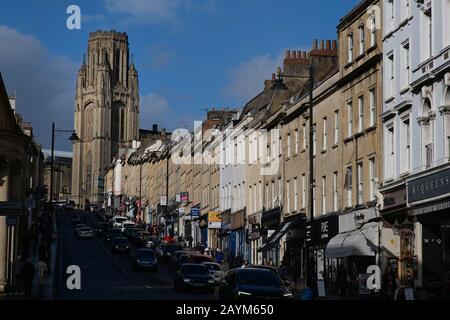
column 275, row 238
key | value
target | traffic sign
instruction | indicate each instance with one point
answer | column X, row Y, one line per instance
column 10, row 208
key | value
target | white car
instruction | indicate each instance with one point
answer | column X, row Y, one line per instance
column 214, row 270
column 85, row 232
column 117, row 221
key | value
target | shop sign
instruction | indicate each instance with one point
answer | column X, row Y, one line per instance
column 254, row 232
column 163, row 201
column 394, row 199
column 184, row 197
column 195, row 212
column 355, row 219
column 324, row 229
column 214, row 221
column 431, row 186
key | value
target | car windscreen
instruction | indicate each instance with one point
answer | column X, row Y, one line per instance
column 264, row 278
column 212, row 266
column 121, row 219
column 195, row 269
column 85, row 229
column 145, row 254
column 115, row 231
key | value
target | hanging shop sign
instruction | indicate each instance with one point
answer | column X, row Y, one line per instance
column 254, row 231
column 184, row 197
column 432, row 186
column 195, row 212
column 394, row 199
column 163, row 201
column 214, row 220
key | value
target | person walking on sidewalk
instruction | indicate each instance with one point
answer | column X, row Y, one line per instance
column 28, row 277
column 42, row 271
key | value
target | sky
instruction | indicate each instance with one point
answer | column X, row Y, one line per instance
column 191, row 55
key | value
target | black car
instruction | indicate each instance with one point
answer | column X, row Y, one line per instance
column 112, row 233
column 146, row 259
column 252, row 283
column 169, row 249
column 101, row 229
column 120, row 244
column 75, row 219
column 181, row 260
column 193, row 276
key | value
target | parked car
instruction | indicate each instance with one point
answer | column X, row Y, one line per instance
column 85, row 233
column 101, row 228
column 78, row 226
column 252, row 283
column 112, row 233
column 120, row 244
column 215, row 270
column 193, row 276
column 75, row 219
column 127, row 224
column 117, row 221
column 169, row 249
column 200, row 258
column 174, row 257
column 146, row 259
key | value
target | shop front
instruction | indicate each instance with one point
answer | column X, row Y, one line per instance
column 214, row 226
column 254, row 238
column 318, row 235
column 270, row 222
column 225, row 231
column 294, row 244
column 354, row 249
column 429, row 203
column 238, row 238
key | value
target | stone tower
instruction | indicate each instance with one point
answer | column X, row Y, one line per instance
column 106, row 112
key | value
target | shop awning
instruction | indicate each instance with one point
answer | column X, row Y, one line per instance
column 273, row 240
column 362, row 242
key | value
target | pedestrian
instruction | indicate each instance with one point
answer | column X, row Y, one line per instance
column 42, row 272
column 219, row 256
column 28, row 277
column 239, row 261
column 18, row 274
column 245, row 264
column 270, row 263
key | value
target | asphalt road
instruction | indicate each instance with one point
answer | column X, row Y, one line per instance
column 107, row 276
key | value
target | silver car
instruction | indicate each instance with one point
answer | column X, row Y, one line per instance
column 214, row 270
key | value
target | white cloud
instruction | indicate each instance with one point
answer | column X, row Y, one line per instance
column 155, row 11
column 154, row 108
column 44, row 82
column 247, row 80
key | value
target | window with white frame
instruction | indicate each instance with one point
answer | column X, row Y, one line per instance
column 288, row 141
column 250, row 208
column 447, row 122
column 427, row 35
column 360, row 183
column 390, row 16
column 390, row 76
column 295, row 195
column 296, row 141
column 405, row 150
column 349, row 119
column 349, row 185
column 260, row 196
column 288, row 198
column 274, row 196
column 360, row 114
column 405, row 78
column 255, row 207
column 427, row 134
column 303, row 191
column 336, row 126
column 405, row 9
column 314, row 140
column 373, row 30
column 267, row 197
column 390, row 151
column 372, row 179
column 304, row 136
column 373, row 107
column 324, row 195
column 361, row 39
column 324, row 134
column 350, row 47
column 335, row 192
column 314, row 200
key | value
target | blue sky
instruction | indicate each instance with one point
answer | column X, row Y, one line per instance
column 190, row 54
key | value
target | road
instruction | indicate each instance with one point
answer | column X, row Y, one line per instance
column 106, row 276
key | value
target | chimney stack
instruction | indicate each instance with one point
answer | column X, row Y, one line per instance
column 288, row 54
column 321, row 45
column 334, row 45
column 304, row 55
column 328, row 47
column 315, row 44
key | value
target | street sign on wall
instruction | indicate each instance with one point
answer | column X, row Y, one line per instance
column 195, row 212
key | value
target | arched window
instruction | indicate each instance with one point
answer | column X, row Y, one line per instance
column 445, row 111
column 122, row 124
column 425, row 121
column 117, row 64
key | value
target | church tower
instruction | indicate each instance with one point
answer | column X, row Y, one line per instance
column 106, row 112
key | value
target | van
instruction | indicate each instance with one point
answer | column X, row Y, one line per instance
column 117, row 221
